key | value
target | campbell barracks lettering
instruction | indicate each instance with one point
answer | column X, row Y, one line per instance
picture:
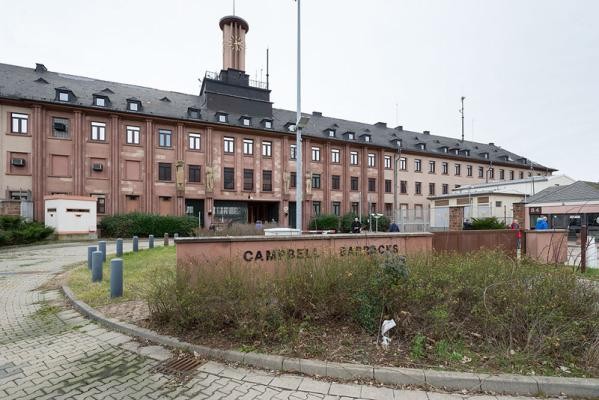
column 279, row 254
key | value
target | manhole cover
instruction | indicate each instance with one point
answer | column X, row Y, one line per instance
column 180, row 367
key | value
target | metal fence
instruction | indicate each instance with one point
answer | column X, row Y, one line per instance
column 414, row 219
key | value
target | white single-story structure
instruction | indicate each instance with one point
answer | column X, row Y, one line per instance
column 72, row 217
column 493, row 199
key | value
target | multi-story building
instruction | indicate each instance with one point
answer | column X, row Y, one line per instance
column 223, row 154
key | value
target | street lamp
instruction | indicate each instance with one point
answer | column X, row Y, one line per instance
column 301, row 122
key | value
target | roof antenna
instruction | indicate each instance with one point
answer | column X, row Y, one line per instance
column 267, row 75
column 233, row 7
column 462, row 112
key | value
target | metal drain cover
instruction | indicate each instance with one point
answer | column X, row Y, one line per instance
column 180, row 367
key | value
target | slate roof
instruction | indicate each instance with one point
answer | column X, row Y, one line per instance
column 576, row 192
column 22, row 83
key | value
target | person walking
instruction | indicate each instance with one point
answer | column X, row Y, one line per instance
column 516, row 226
column 393, row 227
column 356, row 226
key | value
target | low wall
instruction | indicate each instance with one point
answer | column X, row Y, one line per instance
column 268, row 249
column 548, row 246
column 470, row 240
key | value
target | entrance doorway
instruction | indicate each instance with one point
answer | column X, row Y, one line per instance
column 263, row 211
column 195, row 208
column 291, row 215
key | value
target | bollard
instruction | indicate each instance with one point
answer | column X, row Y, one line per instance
column 119, row 247
column 116, row 277
column 135, row 243
column 166, row 239
column 90, row 250
column 97, row 266
column 102, row 248
column 151, row 241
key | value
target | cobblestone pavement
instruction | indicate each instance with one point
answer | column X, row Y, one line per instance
column 48, row 352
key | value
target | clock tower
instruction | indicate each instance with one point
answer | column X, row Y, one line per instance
column 234, row 30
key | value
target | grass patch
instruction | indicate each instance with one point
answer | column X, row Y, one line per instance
column 592, row 273
column 46, row 310
column 138, row 271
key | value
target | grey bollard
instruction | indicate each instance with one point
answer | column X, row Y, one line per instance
column 102, row 248
column 135, row 243
column 116, row 277
column 166, row 239
column 90, row 250
column 97, row 266
column 119, row 247
column 151, row 241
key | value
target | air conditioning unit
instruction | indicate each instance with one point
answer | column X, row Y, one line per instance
column 97, row 167
column 18, row 162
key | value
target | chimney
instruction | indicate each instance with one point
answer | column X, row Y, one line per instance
column 381, row 124
column 317, row 113
column 491, row 144
column 234, row 31
column 40, row 68
column 399, row 128
column 427, row 132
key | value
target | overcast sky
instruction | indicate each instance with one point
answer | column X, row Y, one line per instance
column 529, row 69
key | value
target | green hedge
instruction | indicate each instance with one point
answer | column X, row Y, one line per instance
column 325, row 221
column 16, row 230
column 139, row 224
column 487, row 223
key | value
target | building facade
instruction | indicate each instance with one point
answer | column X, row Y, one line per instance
column 225, row 154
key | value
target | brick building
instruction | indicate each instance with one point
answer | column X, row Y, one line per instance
column 223, row 154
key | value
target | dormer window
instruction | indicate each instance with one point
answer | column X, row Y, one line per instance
column 63, row 95
column 397, row 143
column 267, row 123
column 193, row 113
column 331, row 132
column 133, row 105
column 455, row 151
column 367, row 138
column 421, row 146
column 485, row 155
column 444, row 149
column 246, row 121
column 291, row 127
column 466, row 152
column 222, row 117
column 351, row 135
column 100, row 101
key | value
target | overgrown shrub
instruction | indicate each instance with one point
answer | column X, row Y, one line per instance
column 483, row 300
column 325, row 221
column 346, row 221
column 487, row 223
column 16, row 230
column 139, row 224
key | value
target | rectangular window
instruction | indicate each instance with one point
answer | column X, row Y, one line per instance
column 195, row 173
column 371, row 160
column 335, row 156
column 336, row 208
column 165, row 138
column 266, row 149
column 431, row 167
column 248, row 180
column 458, row 169
column 195, row 141
column 403, row 187
column 353, row 157
column 387, row 162
column 444, row 168
column 501, row 174
column 373, row 208
column 100, row 203
column 19, row 123
column 248, row 147
column 316, row 207
column 164, row 171
column 292, row 180
column 372, row 184
column 292, row 152
column 431, row 189
column 388, row 209
column 229, row 145
column 98, row 131
column 418, row 165
column 388, row 185
column 469, row 170
column 336, row 182
column 228, row 178
column 315, row 181
column 418, row 188
column 355, row 207
column 133, row 133
column 511, row 175
column 403, row 164
column 521, row 174
column 354, row 183
column 267, row 181
column 63, row 96
column 445, row 188
column 315, row 153
column 481, row 172
column 222, row 118
column 491, row 173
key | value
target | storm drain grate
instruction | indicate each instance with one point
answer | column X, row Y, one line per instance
column 180, row 367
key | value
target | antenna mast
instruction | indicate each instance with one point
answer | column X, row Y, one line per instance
column 267, row 68
column 462, row 112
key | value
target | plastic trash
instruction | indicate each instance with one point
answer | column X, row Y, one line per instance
column 387, row 325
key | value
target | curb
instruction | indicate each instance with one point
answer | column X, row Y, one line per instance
column 501, row 383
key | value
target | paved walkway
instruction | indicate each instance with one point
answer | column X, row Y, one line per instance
column 48, row 352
